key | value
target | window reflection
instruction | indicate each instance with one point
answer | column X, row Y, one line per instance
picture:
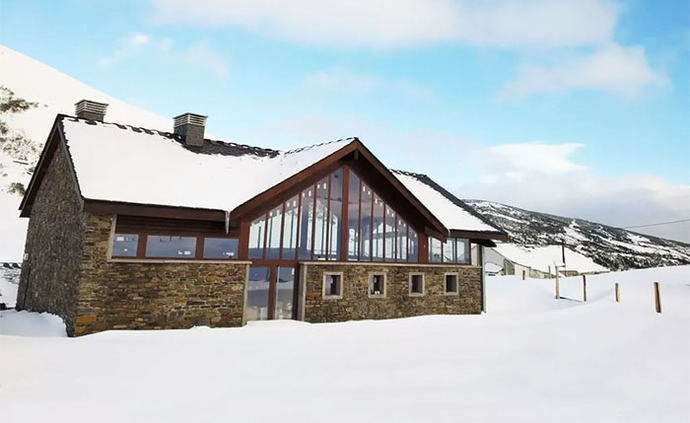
column 170, row 246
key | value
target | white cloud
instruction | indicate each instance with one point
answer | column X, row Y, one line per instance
column 200, row 54
column 399, row 23
column 203, row 55
column 550, row 181
column 622, row 70
column 344, row 81
column 133, row 45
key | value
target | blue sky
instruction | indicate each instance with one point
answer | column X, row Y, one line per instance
column 587, row 99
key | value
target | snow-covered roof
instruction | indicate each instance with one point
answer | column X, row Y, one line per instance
column 122, row 163
column 445, row 206
column 541, row 258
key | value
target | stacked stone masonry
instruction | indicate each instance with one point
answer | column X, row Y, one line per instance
column 50, row 272
column 356, row 304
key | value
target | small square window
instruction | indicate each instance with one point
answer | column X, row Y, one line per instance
column 451, row 287
column 377, row 285
column 332, row 285
column 417, row 284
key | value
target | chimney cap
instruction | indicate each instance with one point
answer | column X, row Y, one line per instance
column 90, row 106
column 190, row 119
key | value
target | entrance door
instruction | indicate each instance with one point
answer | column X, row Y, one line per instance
column 271, row 293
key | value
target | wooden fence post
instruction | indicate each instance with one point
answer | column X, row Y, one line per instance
column 558, row 287
column 523, row 275
column 584, row 288
column 549, row 271
column 618, row 297
column 657, row 297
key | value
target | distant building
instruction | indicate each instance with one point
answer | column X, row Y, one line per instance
column 539, row 262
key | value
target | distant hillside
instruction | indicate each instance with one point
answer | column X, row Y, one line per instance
column 54, row 92
column 614, row 248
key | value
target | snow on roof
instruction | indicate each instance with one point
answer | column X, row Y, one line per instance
column 541, row 258
column 448, row 211
column 158, row 169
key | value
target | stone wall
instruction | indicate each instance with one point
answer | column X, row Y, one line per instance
column 356, row 303
column 50, row 272
column 153, row 295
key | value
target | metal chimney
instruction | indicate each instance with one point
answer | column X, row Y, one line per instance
column 191, row 127
column 91, row 110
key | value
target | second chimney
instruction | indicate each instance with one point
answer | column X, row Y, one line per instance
column 91, row 110
column 191, row 127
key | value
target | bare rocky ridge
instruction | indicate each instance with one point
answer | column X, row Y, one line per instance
column 614, row 248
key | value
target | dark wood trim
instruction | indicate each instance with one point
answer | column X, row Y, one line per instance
column 41, row 167
column 243, row 253
column 497, row 236
column 327, row 218
column 313, row 219
column 146, row 210
column 344, row 214
column 282, row 231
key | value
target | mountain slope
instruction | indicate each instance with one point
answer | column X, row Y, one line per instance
column 55, row 93
column 614, row 248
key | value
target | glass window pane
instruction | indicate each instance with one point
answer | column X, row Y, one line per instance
column 449, row 250
column 125, row 245
column 414, row 246
column 256, row 238
column 290, row 228
column 257, row 293
column 353, row 218
column 389, row 234
column 365, row 244
column 221, row 248
column 434, row 250
column 321, row 222
column 401, row 249
column 306, row 224
column 170, row 246
column 285, row 289
column 463, row 250
column 377, row 235
column 336, row 215
column 273, row 233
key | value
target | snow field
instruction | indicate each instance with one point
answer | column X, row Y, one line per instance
column 530, row 359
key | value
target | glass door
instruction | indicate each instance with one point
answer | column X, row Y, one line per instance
column 284, row 293
column 257, row 293
column 271, row 293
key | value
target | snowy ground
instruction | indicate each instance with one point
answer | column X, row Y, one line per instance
column 530, row 359
column 9, row 283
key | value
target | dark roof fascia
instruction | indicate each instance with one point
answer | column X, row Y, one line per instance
column 497, row 236
column 55, row 136
column 440, row 230
column 152, row 210
column 263, row 199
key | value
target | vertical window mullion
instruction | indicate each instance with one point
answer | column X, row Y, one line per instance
column 327, row 218
column 299, row 225
column 359, row 227
column 263, row 254
column 282, row 231
column 313, row 221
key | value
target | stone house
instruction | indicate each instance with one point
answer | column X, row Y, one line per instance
column 132, row 228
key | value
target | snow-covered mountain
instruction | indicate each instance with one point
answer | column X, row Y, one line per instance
column 613, row 248
column 56, row 93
